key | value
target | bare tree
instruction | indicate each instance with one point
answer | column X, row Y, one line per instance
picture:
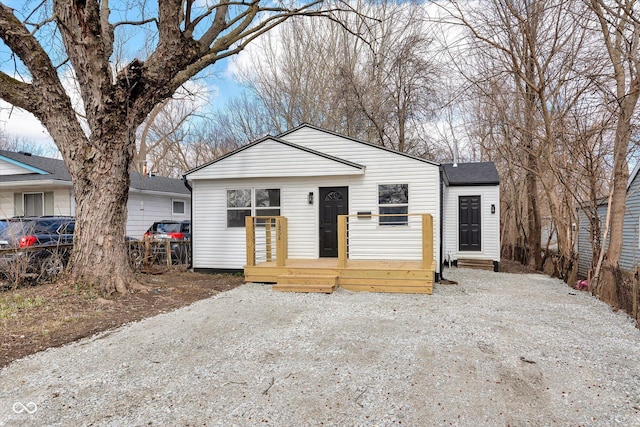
column 378, row 88
column 533, row 74
column 618, row 21
column 97, row 141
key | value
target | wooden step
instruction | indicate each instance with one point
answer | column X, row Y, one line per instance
column 479, row 264
column 321, row 283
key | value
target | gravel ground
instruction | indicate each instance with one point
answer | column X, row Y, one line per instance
column 497, row 349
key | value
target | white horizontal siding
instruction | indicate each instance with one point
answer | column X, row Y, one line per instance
column 62, row 201
column 8, row 168
column 155, row 208
column 218, row 247
column 489, row 226
column 145, row 209
column 369, row 240
column 6, row 204
column 271, row 158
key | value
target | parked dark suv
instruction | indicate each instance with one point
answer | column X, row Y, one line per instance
column 37, row 245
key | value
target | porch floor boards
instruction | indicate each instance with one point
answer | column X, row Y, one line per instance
column 324, row 275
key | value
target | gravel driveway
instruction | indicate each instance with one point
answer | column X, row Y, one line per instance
column 497, row 349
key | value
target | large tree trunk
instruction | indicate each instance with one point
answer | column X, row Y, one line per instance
column 114, row 99
column 101, row 185
column 608, row 282
column 621, row 32
column 534, row 242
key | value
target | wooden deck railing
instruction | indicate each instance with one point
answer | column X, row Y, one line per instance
column 274, row 227
column 277, row 228
column 426, row 244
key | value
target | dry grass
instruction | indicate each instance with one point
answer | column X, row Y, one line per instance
column 37, row 317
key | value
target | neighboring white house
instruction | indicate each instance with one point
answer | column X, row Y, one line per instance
column 310, row 176
column 33, row 185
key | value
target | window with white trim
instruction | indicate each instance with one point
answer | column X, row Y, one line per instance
column 238, row 207
column 33, row 204
column 178, row 207
column 247, row 202
column 393, row 199
column 267, row 202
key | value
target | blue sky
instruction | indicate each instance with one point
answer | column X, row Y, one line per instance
column 16, row 123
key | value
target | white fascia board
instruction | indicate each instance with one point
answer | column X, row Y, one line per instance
column 39, row 183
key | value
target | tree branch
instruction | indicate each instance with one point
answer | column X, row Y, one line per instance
column 16, row 92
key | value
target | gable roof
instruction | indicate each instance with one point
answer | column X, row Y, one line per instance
column 357, row 167
column 41, row 167
column 359, row 141
column 479, row 173
column 48, row 169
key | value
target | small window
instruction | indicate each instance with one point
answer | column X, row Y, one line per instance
column 393, row 199
column 178, row 207
column 33, row 204
column 238, row 207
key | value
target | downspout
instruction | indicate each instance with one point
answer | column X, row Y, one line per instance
column 186, row 184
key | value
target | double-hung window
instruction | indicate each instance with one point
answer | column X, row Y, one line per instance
column 238, row 207
column 33, row 204
column 247, row 202
column 393, row 199
column 267, row 202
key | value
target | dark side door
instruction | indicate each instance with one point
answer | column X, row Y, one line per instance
column 469, row 223
column 334, row 201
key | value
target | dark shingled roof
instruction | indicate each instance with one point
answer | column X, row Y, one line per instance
column 481, row 173
column 56, row 170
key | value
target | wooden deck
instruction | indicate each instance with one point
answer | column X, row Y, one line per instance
column 324, row 275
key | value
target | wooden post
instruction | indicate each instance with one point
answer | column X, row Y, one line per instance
column 267, row 230
column 285, row 233
column 427, row 241
column 281, row 241
column 147, row 253
column 251, row 241
column 167, row 251
column 342, row 241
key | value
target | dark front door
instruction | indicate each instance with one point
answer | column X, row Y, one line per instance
column 469, row 223
column 334, row 201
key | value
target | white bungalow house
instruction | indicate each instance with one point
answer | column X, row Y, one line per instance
column 34, row 185
column 310, row 177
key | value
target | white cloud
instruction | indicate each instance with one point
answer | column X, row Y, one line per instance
column 20, row 123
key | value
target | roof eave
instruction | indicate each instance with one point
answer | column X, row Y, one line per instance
column 23, row 165
column 35, row 183
column 303, row 125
